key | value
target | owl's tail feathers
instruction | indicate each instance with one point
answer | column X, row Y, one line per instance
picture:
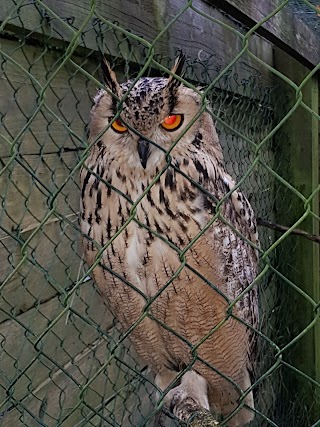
column 244, row 416
column 189, row 400
column 224, row 400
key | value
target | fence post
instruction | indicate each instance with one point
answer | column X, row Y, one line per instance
column 298, row 144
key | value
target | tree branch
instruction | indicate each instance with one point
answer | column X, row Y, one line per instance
column 283, row 228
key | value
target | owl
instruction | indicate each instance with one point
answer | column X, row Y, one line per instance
column 177, row 240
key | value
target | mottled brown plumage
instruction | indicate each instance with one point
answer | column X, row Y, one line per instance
column 178, row 210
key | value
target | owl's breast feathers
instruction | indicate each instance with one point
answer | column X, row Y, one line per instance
column 176, row 209
column 140, row 262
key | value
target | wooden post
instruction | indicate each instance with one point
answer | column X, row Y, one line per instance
column 298, row 162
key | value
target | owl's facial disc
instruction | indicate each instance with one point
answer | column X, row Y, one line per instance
column 148, row 111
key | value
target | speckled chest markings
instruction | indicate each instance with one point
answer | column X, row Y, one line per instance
column 160, row 210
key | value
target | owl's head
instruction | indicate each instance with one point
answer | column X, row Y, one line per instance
column 155, row 109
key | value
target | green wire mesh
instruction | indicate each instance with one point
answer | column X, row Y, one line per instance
column 306, row 13
column 63, row 360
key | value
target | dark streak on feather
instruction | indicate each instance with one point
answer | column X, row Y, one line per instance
column 85, row 183
column 208, row 204
column 158, row 228
column 150, row 199
column 169, row 180
column 109, row 228
column 201, row 169
column 99, row 202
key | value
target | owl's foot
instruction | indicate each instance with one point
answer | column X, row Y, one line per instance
column 188, row 397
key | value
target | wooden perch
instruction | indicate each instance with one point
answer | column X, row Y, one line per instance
column 196, row 416
column 202, row 418
column 189, row 412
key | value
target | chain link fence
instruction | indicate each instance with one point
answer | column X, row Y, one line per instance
column 307, row 13
column 64, row 360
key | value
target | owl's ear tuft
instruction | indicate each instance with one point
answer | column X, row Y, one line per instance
column 177, row 69
column 178, row 65
column 109, row 76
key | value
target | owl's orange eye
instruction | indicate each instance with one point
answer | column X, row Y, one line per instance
column 173, row 122
column 118, row 126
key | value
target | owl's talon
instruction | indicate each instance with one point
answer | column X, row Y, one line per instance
column 192, row 392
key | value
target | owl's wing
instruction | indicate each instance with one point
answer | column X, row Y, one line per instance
column 239, row 257
column 234, row 235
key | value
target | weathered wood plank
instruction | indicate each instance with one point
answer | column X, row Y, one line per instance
column 200, row 38
column 52, row 265
column 285, row 29
column 62, row 343
column 25, row 201
column 69, row 96
column 54, row 391
column 54, row 248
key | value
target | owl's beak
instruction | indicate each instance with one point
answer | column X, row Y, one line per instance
column 144, row 152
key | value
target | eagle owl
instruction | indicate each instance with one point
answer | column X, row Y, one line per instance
column 184, row 323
